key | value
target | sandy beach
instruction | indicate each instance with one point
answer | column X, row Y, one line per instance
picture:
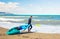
column 27, row 35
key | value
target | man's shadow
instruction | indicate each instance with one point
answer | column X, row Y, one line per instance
column 25, row 32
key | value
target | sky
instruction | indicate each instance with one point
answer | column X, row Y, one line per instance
column 32, row 7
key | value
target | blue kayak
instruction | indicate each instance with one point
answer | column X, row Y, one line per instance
column 16, row 31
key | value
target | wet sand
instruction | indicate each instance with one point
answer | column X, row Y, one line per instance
column 26, row 35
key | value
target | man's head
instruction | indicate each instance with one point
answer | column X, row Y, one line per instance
column 30, row 16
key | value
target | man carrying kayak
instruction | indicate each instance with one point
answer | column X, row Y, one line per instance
column 29, row 22
column 17, row 30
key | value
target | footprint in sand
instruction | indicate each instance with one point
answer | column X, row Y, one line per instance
column 37, row 38
column 0, row 34
column 4, row 34
column 25, row 36
column 18, row 35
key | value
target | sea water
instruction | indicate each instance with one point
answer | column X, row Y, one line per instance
column 48, row 23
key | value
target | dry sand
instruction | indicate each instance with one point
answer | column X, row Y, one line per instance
column 28, row 35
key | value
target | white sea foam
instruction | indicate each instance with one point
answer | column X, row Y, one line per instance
column 36, row 20
column 9, row 25
column 40, row 29
column 41, row 20
column 5, row 19
column 47, row 29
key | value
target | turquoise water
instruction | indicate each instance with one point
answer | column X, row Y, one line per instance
column 43, row 17
column 55, row 17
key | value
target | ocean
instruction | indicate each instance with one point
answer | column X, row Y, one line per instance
column 40, row 23
column 40, row 19
column 53, row 17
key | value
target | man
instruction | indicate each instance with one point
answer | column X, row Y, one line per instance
column 29, row 22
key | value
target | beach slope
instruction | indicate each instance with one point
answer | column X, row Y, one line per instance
column 27, row 35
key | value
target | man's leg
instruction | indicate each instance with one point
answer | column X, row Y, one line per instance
column 29, row 28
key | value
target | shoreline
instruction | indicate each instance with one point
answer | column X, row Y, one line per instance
column 28, row 35
column 36, row 28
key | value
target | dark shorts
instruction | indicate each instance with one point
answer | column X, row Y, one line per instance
column 30, row 27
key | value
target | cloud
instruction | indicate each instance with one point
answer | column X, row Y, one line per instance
column 13, row 7
column 30, row 5
column 7, row 6
column 50, row 10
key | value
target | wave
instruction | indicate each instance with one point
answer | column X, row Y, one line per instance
column 5, row 19
column 11, row 20
column 47, row 29
column 39, row 29
column 45, row 20
column 34, row 21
